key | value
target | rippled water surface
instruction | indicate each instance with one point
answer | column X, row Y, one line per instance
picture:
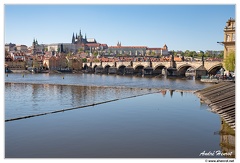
column 32, row 99
column 171, row 125
column 158, row 124
column 108, row 80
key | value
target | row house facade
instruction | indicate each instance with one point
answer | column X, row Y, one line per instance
column 158, row 51
column 10, row 47
column 22, row 48
column 128, row 50
column 18, row 56
column 62, row 63
column 17, row 64
column 13, row 47
column 138, row 50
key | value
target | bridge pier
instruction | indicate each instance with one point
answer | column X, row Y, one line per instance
column 99, row 69
column 172, row 72
column 148, row 71
column 112, row 70
column 201, row 71
column 128, row 71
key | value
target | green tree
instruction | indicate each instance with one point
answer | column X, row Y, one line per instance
column 220, row 55
column 95, row 53
column 201, row 54
column 186, row 53
column 229, row 61
column 80, row 50
column 152, row 53
column 84, row 60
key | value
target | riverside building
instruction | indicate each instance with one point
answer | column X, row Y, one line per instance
column 229, row 37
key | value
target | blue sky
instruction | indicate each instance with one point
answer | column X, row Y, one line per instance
column 181, row 27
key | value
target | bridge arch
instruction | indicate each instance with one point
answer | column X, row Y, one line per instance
column 121, row 69
column 106, row 68
column 85, row 67
column 183, row 69
column 158, row 69
column 138, row 69
column 214, row 69
column 138, row 66
column 94, row 68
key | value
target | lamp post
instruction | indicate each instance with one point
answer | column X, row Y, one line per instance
column 222, row 71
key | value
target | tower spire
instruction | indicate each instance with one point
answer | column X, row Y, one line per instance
column 73, row 39
column 80, row 34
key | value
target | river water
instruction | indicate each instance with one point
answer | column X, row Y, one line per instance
column 166, row 121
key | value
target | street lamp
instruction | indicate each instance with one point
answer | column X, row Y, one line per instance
column 221, row 43
column 222, row 71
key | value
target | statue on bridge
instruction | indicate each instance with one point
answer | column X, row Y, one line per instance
column 203, row 59
column 172, row 58
column 183, row 59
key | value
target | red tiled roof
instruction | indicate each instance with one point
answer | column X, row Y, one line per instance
column 154, row 48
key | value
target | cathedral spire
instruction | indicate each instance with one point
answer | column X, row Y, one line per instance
column 80, row 34
column 119, row 44
column 73, row 39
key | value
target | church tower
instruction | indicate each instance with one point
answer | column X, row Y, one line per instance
column 73, row 39
column 79, row 38
column 34, row 47
column 165, row 47
column 85, row 40
column 229, row 37
column 119, row 44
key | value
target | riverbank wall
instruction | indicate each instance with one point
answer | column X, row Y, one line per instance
column 221, row 99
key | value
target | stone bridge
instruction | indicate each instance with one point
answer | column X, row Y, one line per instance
column 154, row 68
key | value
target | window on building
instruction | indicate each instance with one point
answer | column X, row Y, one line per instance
column 233, row 37
column 228, row 38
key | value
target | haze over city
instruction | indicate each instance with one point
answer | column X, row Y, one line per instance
column 181, row 27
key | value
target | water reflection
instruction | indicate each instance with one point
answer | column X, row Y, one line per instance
column 227, row 140
column 149, row 126
column 29, row 99
column 108, row 80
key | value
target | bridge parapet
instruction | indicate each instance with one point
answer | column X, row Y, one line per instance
column 162, row 64
column 144, row 64
column 111, row 64
column 210, row 66
column 194, row 64
column 126, row 64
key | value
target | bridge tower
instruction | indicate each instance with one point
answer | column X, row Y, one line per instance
column 229, row 37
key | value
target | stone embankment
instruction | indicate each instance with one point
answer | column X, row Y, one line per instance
column 221, row 99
